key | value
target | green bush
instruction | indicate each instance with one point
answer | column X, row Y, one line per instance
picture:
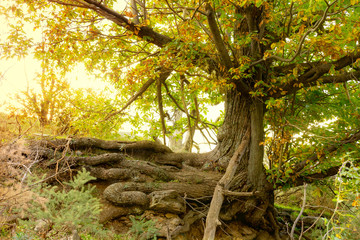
column 345, row 222
column 143, row 229
column 64, row 211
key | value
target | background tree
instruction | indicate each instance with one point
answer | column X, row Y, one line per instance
column 46, row 103
column 283, row 68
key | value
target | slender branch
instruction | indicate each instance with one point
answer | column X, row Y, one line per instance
column 332, row 148
column 300, row 214
column 197, row 113
column 161, row 109
column 190, row 128
column 338, row 199
column 197, row 9
column 144, row 32
column 302, row 40
column 182, row 109
column 173, row 11
column 164, row 74
column 219, row 43
column 135, row 12
column 67, row 4
column 314, row 223
column 172, row 98
column 290, row 20
column 240, row 194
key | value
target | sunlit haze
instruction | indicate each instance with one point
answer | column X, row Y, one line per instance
column 18, row 74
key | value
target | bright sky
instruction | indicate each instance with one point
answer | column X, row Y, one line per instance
column 16, row 75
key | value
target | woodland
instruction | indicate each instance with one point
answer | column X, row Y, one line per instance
column 285, row 157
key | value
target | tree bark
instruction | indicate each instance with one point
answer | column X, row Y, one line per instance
column 256, row 174
column 241, row 113
column 236, row 122
column 223, row 185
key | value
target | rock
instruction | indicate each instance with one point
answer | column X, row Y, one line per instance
column 263, row 235
column 165, row 225
column 127, row 198
column 74, row 236
column 240, row 231
column 42, row 226
column 78, row 153
column 168, row 201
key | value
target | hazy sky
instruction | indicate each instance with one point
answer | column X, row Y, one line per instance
column 16, row 75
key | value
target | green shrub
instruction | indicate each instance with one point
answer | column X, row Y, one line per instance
column 345, row 223
column 143, row 229
column 65, row 210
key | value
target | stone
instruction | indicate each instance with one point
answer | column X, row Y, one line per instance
column 163, row 224
column 42, row 226
column 168, row 201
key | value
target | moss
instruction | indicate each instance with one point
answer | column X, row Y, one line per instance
column 296, row 210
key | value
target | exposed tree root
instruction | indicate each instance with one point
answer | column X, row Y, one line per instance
column 134, row 178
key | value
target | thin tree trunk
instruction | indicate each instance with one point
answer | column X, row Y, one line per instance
column 256, row 174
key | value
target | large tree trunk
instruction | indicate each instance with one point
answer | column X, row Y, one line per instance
column 245, row 173
column 242, row 112
column 236, row 121
column 250, row 196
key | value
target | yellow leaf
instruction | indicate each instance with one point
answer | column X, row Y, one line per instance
column 295, row 71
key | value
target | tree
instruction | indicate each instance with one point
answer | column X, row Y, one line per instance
column 283, row 68
column 47, row 103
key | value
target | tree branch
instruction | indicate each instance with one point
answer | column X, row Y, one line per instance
column 223, row 185
column 290, row 20
column 174, row 12
column 299, row 215
column 315, row 75
column 341, row 77
column 302, row 39
column 144, row 32
column 205, row 124
column 161, row 108
column 321, row 175
column 315, row 157
column 219, row 43
column 135, row 12
column 164, row 74
column 191, row 129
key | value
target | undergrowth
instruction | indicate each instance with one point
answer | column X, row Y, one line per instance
column 63, row 210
